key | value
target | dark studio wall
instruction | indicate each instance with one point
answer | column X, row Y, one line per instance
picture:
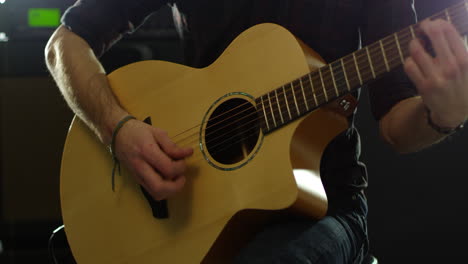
column 417, row 201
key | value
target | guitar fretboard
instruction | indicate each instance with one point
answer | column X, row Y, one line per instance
column 299, row 97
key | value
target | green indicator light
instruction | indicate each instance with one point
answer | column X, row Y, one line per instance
column 44, row 17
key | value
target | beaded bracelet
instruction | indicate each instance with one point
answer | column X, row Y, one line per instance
column 112, row 146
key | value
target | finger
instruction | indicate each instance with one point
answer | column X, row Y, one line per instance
column 414, row 73
column 422, row 59
column 435, row 30
column 162, row 163
column 156, row 186
column 170, row 148
column 457, row 45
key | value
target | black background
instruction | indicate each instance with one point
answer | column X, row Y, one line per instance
column 417, row 201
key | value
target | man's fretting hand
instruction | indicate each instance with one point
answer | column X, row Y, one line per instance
column 442, row 81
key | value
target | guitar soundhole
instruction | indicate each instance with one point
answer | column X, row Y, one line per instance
column 232, row 131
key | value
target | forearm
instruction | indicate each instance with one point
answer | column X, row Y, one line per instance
column 406, row 128
column 83, row 82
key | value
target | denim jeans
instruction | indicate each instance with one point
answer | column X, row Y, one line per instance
column 338, row 238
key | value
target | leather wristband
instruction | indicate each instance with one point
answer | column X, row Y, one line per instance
column 442, row 130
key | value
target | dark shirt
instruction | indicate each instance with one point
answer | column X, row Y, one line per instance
column 333, row 28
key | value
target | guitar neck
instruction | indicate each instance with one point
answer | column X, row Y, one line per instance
column 299, row 97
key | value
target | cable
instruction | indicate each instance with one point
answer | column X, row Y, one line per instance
column 51, row 244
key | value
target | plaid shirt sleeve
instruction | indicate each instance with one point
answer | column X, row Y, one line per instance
column 385, row 17
column 101, row 23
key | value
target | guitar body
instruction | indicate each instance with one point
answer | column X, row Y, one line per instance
column 103, row 226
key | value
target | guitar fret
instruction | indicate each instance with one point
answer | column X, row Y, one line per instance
column 412, row 32
column 313, row 90
column 351, row 72
column 462, row 29
column 300, row 96
column 370, row 62
column 333, row 78
column 323, row 85
column 399, row 48
column 265, row 114
column 346, row 75
column 287, row 103
column 357, row 68
column 384, row 55
column 404, row 42
column 271, row 110
column 279, row 108
column 295, row 101
column 319, row 88
column 303, row 94
column 339, row 77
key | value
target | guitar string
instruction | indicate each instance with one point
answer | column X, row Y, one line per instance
column 198, row 155
column 237, row 135
column 365, row 69
column 390, row 38
column 328, row 81
column 225, row 147
column 269, row 109
column 237, row 121
column 372, row 47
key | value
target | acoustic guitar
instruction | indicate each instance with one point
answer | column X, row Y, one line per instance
column 258, row 121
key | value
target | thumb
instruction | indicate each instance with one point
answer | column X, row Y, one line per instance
column 171, row 149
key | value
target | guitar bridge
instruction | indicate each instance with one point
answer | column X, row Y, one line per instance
column 159, row 208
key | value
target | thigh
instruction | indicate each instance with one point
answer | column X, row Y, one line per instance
column 333, row 239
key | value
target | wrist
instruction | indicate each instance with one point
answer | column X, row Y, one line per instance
column 442, row 127
column 109, row 125
column 115, row 132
